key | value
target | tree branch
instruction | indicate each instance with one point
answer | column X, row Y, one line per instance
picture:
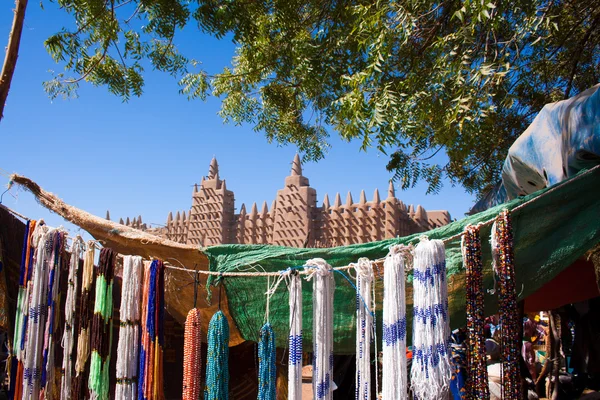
column 12, row 52
column 578, row 52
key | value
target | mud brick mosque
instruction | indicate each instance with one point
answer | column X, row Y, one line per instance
column 294, row 218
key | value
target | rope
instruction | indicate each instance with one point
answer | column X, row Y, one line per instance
column 101, row 339
column 431, row 370
column 77, row 250
column 129, row 333
column 364, row 328
column 323, row 288
column 267, row 372
column 295, row 336
column 477, row 385
column 10, row 210
column 217, row 368
column 394, row 379
column 502, row 250
column 192, row 356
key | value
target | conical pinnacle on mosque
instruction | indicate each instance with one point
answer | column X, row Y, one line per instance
column 107, row 215
column 273, row 205
column 349, row 201
column 243, row 209
column 376, row 199
column 254, row 210
column 338, row 200
column 420, row 212
column 170, row 218
column 296, row 166
column 326, row 201
column 391, row 191
column 363, row 197
column 265, row 210
column 213, row 169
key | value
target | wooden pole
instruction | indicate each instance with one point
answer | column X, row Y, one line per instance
column 12, row 52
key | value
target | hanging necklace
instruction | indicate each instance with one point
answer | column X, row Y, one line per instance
column 477, row 376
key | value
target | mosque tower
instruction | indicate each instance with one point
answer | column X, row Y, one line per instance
column 212, row 214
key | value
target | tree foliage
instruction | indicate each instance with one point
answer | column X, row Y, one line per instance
column 415, row 79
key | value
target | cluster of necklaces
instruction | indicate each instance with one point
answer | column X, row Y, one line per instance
column 37, row 370
column 477, row 386
column 88, row 325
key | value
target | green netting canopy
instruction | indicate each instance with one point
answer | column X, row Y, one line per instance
column 552, row 229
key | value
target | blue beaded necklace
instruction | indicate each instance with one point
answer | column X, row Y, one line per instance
column 217, row 367
column 267, row 373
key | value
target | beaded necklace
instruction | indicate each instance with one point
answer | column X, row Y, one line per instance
column 38, row 306
column 77, row 249
column 52, row 331
column 129, row 331
column 150, row 385
column 323, row 288
column 431, row 370
column 394, row 376
column 364, row 328
column 21, row 314
column 217, row 368
column 477, row 386
column 84, row 323
column 192, row 356
column 101, row 339
column 295, row 338
column 502, row 247
column 267, row 373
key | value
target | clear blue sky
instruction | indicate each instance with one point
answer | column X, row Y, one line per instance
column 143, row 157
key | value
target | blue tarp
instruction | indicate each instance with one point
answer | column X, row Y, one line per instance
column 563, row 139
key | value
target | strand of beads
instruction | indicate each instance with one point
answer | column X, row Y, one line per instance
column 192, row 356
column 21, row 314
column 364, row 328
column 394, row 376
column 77, row 249
column 267, row 374
column 48, row 380
column 217, row 367
column 43, row 240
column 129, row 343
column 101, row 339
column 323, row 289
column 502, row 247
column 477, row 386
column 295, row 338
column 145, row 337
column 150, row 381
column 430, row 370
column 84, row 322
